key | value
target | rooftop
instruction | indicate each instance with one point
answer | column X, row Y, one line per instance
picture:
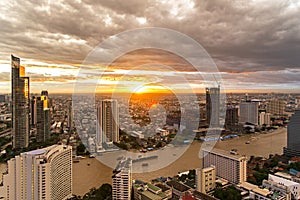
column 225, row 154
column 178, row 186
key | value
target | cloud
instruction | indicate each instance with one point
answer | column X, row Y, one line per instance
column 241, row 36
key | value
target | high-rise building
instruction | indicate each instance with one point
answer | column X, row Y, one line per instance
column 232, row 116
column 70, row 115
column 276, row 107
column 231, row 167
column 33, row 114
column 206, row 179
column 20, row 104
column 122, row 180
column 44, row 93
column 264, row 118
column 108, row 122
column 293, row 136
column 249, row 112
column 213, row 107
column 43, row 119
column 39, row 174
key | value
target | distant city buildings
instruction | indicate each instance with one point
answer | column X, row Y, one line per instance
column 107, row 123
column 293, row 136
column 122, row 180
column 213, row 107
column 206, row 179
column 232, row 168
column 20, row 104
column 249, row 112
column 39, row 174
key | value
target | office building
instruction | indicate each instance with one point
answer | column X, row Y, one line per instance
column 264, row 119
column 206, row 179
column 276, row 107
column 43, row 119
column 230, row 167
column 293, row 136
column 249, row 112
column 39, row 174
column 20, row 104
column 232, row 116
column 108, row 123
column 213, row 107
column 33, row 113
column 122, row 180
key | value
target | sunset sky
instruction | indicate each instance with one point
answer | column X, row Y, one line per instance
column 254, row 43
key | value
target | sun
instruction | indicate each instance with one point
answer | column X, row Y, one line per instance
column 143, row 89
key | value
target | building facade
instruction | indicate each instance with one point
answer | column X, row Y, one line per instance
column 43, row 119
column 206, row 179
column 276, row 107
column 107, row 122
column 122, row 180
column 264, row 119
column 43, row 174
column 249, row 112
column 233, row 168
column 232, row 116
column 293, row 136
column 20, row 104
column 213, row 106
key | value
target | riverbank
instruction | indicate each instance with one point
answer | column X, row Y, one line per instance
column 90, row 172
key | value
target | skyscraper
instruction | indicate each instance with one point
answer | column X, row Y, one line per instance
column 33, row 113
column 20, row 104
column 43, row 119
column 232, row 117
column 293, row 136
column 39, row 174
column 213, row 107
column 249, row 112
column 108, row 122
column 122, row 180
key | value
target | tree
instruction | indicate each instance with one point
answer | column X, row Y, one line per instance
column 229, row 193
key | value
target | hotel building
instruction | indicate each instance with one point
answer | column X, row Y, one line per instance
column 232, row 168
column 43, row 174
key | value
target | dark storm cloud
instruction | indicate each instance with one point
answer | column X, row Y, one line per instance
column 240, row 35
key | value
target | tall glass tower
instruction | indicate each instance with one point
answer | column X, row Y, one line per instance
column 213, row 107
column 20, row 104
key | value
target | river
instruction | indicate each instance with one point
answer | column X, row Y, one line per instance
column 90, row 173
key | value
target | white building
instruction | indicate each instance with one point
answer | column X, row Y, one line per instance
column 122, row 180
column 107, row 123
column 264, row 118
column 40, row 174
column 206, row 179
column 293, row 186
column 233, row 168
column 249, row 112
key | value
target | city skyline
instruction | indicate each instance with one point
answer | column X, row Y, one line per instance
column 260, row 47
